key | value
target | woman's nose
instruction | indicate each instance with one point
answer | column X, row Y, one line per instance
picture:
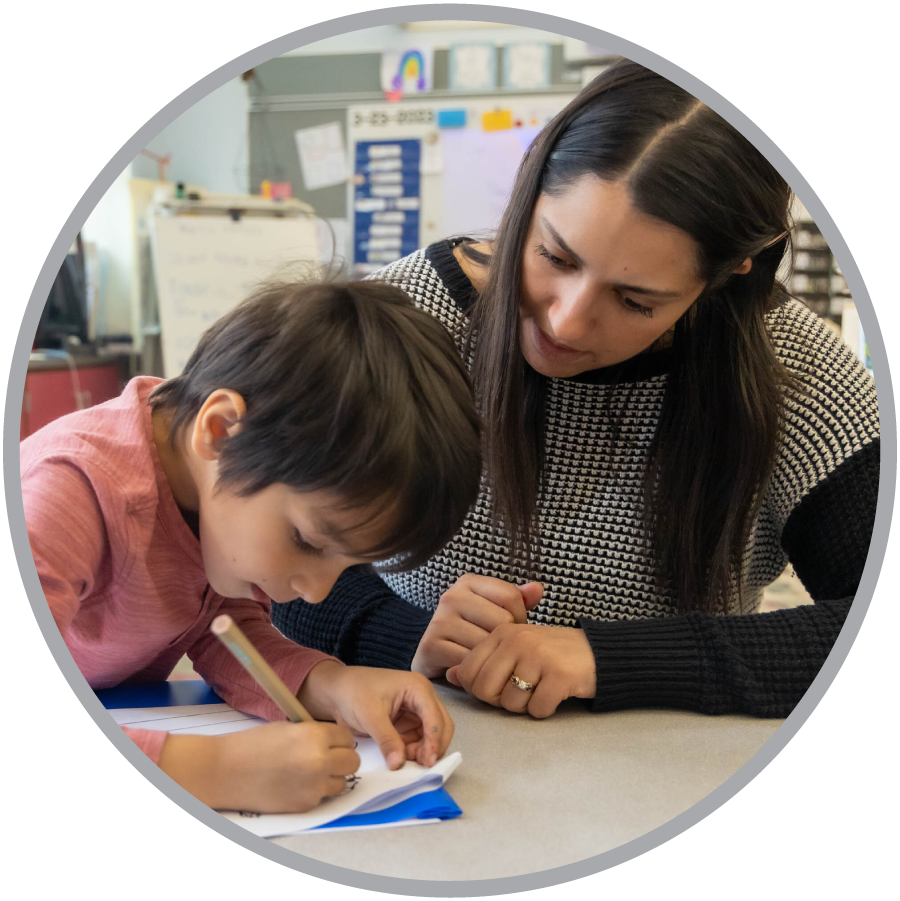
column 571, row 316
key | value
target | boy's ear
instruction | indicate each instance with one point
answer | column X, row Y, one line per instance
column 219, row 417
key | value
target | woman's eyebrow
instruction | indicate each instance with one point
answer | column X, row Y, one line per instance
column 634, row 289
column 560, row 240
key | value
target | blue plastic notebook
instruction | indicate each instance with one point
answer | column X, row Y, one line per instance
column 428, row 805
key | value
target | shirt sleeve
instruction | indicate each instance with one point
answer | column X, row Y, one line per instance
column 150, row 741
column 362, row 622
column 761, row 664
column 218, row 668
column 67, row 533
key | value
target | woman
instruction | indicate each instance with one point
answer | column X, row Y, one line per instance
column 665, row 430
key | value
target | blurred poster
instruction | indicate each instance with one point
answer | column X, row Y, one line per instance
column 406, row 71
column 473, row 67
column 526, row 66
column 323, row 160
column 479, row 170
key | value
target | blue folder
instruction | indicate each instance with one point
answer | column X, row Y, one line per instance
column 430, row 805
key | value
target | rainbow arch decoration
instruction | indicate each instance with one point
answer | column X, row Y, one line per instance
column 412, row 66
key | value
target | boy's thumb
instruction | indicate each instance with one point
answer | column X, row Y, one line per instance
column 389, row 741
column 532, row 592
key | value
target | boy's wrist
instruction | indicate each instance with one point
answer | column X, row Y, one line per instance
column 197, row 763
column 317, row 693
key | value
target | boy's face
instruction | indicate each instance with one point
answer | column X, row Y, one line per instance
column 279, row 543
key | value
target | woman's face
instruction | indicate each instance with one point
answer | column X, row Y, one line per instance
column 601, row 280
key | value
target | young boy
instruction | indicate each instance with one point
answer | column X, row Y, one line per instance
column 314, row 427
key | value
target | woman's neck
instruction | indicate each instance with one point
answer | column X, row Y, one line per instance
column 475, row 272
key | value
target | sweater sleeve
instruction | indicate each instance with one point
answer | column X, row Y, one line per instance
column 361, row 622
column 760, row 664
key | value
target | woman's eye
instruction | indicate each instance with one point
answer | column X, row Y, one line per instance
column 554, row 260
column 636, row 307
column 304, row 545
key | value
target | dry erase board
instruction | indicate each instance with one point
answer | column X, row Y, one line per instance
column 207, row 264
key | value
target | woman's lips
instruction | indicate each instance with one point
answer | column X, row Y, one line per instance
column 552, row 350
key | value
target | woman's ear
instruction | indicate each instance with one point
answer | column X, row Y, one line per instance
column 219, row 417
column 744, row 267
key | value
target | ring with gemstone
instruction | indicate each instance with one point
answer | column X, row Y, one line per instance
column 521, row 683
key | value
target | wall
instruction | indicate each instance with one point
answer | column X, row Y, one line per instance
column 208, row 144
column 385, row 37
column 108, row 228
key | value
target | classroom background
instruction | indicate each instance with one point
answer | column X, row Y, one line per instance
column 348, row 153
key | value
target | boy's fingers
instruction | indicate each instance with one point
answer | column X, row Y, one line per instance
column 435, row 732
column 338, row 736
column 451, row 676
column 387, row 738
column 344, row 761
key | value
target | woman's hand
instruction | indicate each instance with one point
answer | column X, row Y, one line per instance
column 400, row 710
column 467, row 613
column 557, row 660
column 276, row 768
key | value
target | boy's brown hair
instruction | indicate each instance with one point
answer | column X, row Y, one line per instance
column 350, row 389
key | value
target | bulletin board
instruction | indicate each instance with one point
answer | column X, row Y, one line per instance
column 300, row 92
column 465, row 172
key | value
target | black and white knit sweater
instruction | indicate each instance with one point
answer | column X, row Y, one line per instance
column 817, row 512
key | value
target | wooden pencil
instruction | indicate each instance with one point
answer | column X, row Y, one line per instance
column 225, row 629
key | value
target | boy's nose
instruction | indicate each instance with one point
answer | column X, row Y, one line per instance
column 314, row 585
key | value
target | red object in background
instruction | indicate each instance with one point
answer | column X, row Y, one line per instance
column 281, row 190
column 50, row 393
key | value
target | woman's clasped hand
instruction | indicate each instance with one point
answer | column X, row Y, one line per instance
column 480, row 639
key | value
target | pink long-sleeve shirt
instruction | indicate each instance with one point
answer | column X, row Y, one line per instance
column 122, row 570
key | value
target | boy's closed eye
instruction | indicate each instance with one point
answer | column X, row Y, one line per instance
column 303, row 545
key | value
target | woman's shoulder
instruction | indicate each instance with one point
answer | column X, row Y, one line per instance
column 833, row 404
column 813, row 351
column 434, row 280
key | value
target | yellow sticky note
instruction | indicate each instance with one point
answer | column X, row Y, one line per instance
column 498, row 120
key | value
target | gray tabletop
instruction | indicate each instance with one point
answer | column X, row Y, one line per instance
column 537, row 794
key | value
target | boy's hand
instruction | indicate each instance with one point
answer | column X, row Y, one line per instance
column 467, row 613
column 276, row 768
column 400, row 710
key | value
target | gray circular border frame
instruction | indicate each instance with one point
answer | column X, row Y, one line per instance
column 474, row 887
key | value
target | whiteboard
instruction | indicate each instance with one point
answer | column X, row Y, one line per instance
column 205, row 265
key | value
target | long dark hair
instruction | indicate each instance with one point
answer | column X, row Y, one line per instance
column 718, row 432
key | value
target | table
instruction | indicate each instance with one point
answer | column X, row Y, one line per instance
column 538, row 794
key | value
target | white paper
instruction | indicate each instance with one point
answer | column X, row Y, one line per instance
column 526, row 67
column 431, row 162
column 473, row 67
column 377, row 788
column 323, row 159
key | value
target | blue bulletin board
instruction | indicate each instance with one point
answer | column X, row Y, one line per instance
column 387, row 199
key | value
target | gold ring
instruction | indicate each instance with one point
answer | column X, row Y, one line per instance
column 521, row 683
